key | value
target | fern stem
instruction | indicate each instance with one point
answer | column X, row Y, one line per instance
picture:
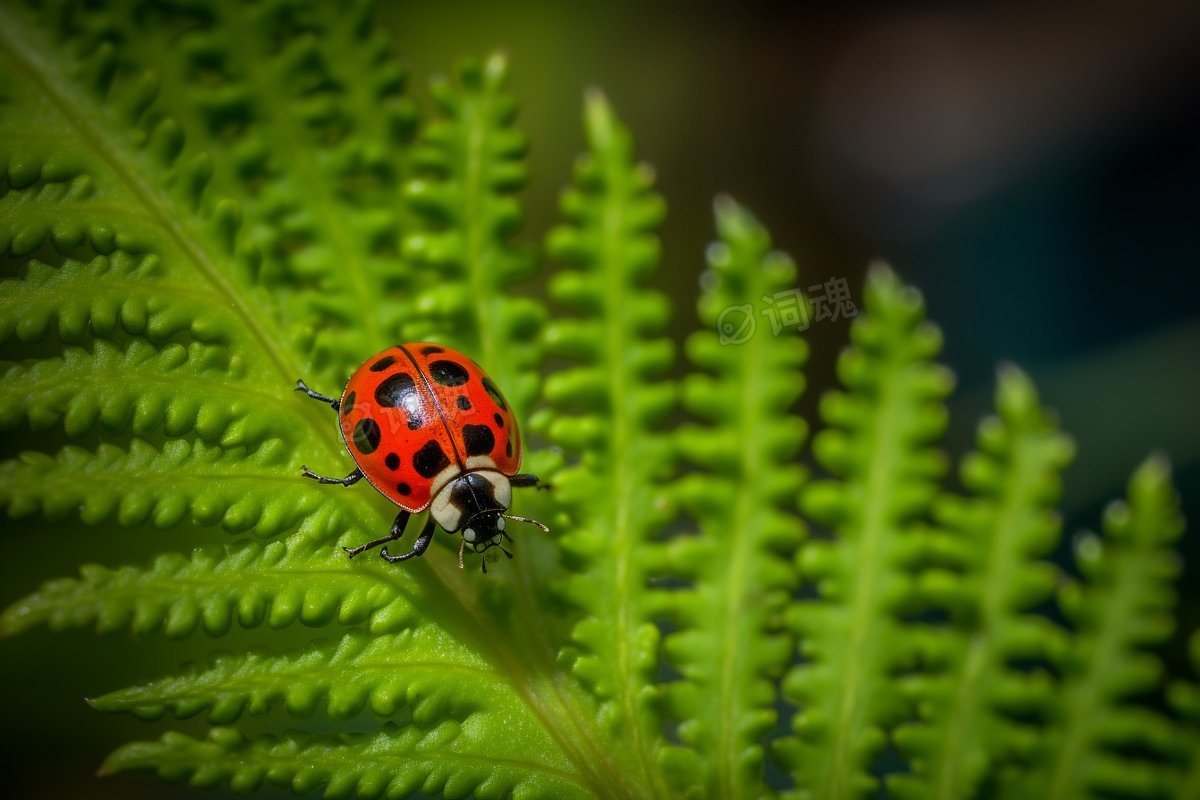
column 864, row 624
column 559, row 717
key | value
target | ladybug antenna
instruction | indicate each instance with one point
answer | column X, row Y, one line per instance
column 515, row 518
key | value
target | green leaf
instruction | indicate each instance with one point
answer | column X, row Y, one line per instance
column 732, row 646
column 248, row 583
column 989, row 573
column 884, row 477
column 1121, row 609
column 386, row 672
column 452, row 759
column 605, row 414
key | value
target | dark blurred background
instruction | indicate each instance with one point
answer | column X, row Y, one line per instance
column 1033, row 169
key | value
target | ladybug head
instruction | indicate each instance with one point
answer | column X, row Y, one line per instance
column 485, row 530
column 475, row 505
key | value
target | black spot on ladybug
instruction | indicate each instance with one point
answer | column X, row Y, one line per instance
column 395, row 390
column 366, row 436
column 464, row 402
column 494, row 393
column 508, row 448
column 414, row 422
column 430, row 459
column 431, row 350
column 479, row 439
column 447, row 373
column 499, row 421
column 383, row 363
column 348, row 404
column 392, row 461
column 403, row 488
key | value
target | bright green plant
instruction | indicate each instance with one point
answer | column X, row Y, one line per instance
column 201, row 202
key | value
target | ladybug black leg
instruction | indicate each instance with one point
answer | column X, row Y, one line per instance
column 397, row 531
column 349, row 480
column 301, row 386
column 419, row 547
column 524, row 479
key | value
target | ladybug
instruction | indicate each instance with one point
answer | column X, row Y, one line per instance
column 428, row 429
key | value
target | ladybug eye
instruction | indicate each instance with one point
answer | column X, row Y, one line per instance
column 500, row 524
column 469, row 534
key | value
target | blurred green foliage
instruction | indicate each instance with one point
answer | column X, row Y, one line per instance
column 204, row 201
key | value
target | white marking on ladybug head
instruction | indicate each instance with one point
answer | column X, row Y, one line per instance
column 452, row 507
column 500, row 523
column 469, row 535
column 479, row 463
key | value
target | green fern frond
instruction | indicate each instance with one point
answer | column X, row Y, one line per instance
column 109, row 294
column 251, row 584
column 993, row 574
column 605, row 416
column 409, row 669
column 165, row 486
column 178, row 390
column 885, row 476
column 1185, row 749
column 1121, row 609
column 732, row 646
column 452, row 759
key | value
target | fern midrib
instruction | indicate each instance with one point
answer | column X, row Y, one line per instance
column 103, row 473
column 222, row 580
column 251, row 677
column 120, row 287
column 962, row 732
column 621, row 402
column 72, row 376
column 269, row 93
column 878, row 491
column 54, row 208
column 731, row 700
column 532, row 693
column 78, row 110
column 1086, row 700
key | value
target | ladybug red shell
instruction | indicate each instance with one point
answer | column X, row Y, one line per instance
column 429, row 429
column 416, row 415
